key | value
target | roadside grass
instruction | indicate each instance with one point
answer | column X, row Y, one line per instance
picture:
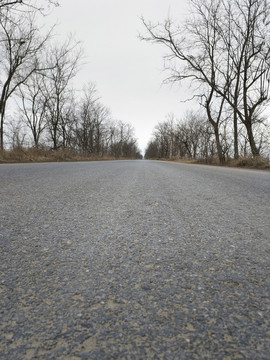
column 27, row 155
column 259, row 162
column 250, row 162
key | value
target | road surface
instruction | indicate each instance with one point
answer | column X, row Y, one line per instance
column 134, row 260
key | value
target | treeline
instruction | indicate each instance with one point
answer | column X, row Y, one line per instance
column 192, row 137
column 81, row 124
column 37, row 74
column 223, row 51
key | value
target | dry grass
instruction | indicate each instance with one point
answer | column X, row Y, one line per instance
column 209, row 161
column 44, row 155
column 243, row 162
column 250, row 162
column 26, row 155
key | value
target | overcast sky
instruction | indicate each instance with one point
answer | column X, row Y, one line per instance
column 128, row 73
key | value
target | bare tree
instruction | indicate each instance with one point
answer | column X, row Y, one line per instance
column 152, row 150
column 92, row 120
column 189, row 132
column 68, row 121
column 16, row 134
column 163, row 138
column 34, row 105
column 189, row 137
column 25, row 5
column 20, row 47
column 224, row 50
column 122, row 141
column 248, row 49
column 63, row 61
column 189, row 62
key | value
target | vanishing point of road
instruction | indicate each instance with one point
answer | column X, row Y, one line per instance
column 134, row 260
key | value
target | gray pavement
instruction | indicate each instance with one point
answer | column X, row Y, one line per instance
column 134, row 260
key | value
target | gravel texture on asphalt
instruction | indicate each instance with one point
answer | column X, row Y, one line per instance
column 134, row 260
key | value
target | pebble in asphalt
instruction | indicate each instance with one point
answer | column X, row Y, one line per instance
column 134, row 260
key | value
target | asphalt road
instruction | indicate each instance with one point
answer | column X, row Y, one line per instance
column 134, row 260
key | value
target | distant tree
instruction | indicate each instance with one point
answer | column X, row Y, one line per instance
column 164, row 133
column 152, row 150
column 189, row 133
column 122, row 141
column 190, row 137
column 16, row 134
column 92, row 119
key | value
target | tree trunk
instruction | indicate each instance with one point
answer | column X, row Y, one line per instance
column 235, row 135
column 254, row 150
column 2, row 115
column 219, row 147
column 2, row 133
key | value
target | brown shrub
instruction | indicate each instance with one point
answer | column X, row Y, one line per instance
column 47, row 155
column 250, row 162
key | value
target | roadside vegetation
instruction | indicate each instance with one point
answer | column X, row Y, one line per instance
column 222, row 52
column 192, row 140
column 26, row 155
column 43, row 117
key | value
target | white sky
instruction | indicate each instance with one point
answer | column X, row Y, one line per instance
column 128, row 73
